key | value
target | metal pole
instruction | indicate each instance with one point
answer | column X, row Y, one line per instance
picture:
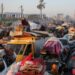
column 41, row 10
column 21, row 11
column 1, row 11
column 41, row 13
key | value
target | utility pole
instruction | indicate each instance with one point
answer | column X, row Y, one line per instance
column 21, row 11
column 2, row 10
column 41, row 9
column 74, row 15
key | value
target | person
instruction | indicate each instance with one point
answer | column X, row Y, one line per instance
column 43, row 28
column 25, row 24
column 71, row 34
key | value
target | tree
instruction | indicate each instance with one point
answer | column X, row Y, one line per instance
column 41, row 6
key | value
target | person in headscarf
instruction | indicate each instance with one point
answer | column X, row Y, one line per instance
column 25, row 24
column 43, row 28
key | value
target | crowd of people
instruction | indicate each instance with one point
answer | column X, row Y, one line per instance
column 59, row 32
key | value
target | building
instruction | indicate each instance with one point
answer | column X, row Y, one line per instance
column 60, row 17
column 10, row 15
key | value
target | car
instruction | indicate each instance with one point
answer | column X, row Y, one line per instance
column 41, row 38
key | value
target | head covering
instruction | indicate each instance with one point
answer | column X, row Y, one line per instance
column 24, row 22
column 53, row 46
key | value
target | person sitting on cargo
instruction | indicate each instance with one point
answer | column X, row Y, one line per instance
column 25, row 24
column 43, row 28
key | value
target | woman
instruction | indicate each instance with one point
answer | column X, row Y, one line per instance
column 25, row 25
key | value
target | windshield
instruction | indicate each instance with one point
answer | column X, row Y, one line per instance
column 14, row 47
column 20, row 48
column 25, row 49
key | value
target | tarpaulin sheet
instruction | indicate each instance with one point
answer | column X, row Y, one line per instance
column 53, row 46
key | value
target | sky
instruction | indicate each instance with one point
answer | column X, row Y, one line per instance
column 52, row 7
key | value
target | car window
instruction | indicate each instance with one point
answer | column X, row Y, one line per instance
column 14, row 47
column 2, row 66
column 28, row 49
